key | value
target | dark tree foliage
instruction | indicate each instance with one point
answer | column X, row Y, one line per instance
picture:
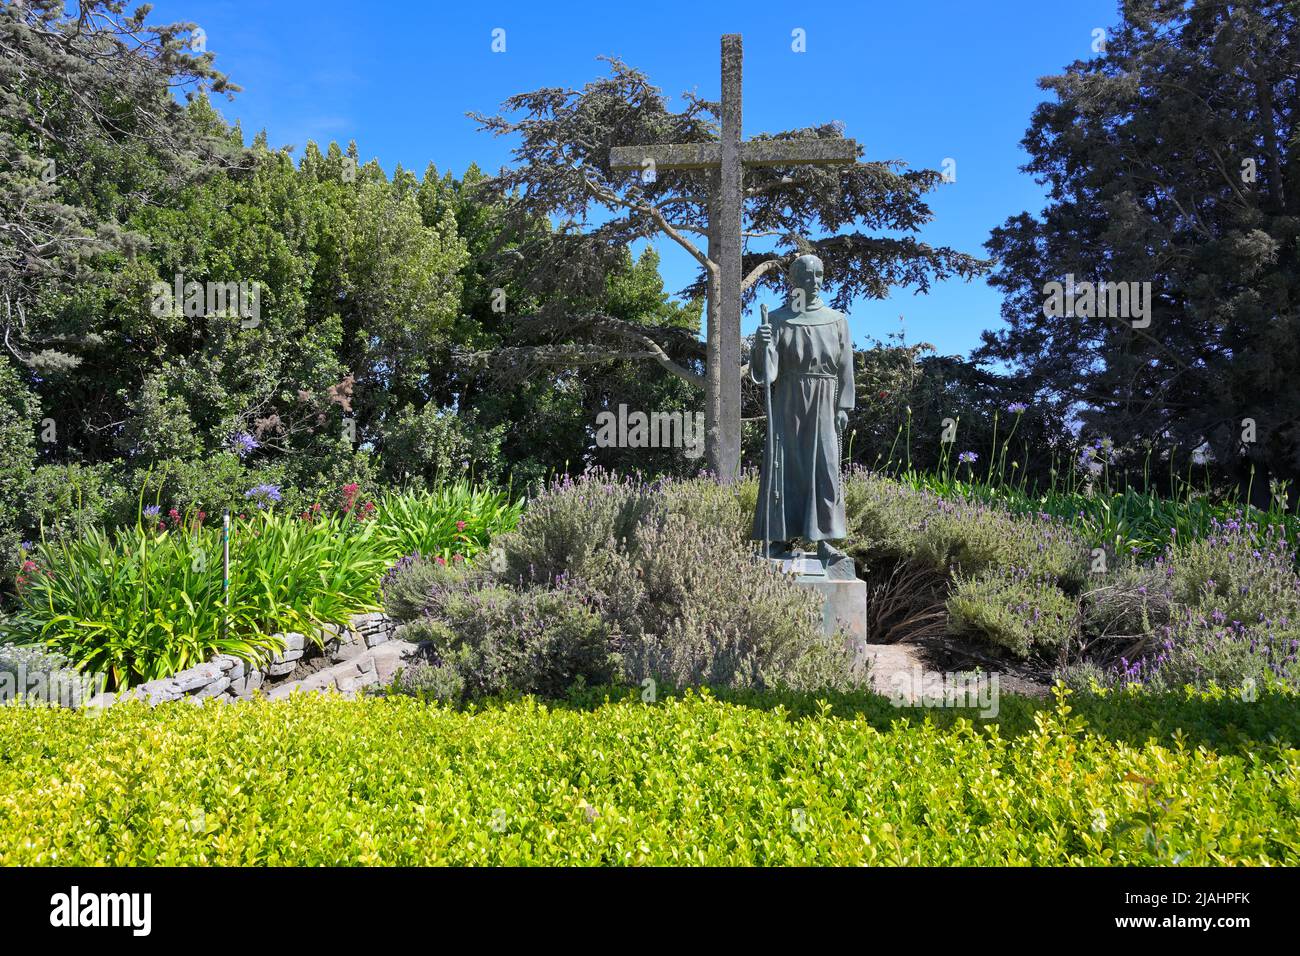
column 90, row 131
column 1171, row 158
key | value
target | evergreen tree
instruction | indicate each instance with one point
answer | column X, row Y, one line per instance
column 1171, row 159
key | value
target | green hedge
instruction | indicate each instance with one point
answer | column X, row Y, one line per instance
column 686, row 780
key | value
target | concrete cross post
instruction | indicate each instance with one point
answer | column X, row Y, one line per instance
column 730, row 203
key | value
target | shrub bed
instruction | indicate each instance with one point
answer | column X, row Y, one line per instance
column 1222, row 608
column 1011, row 608
column 611, row 578
column 765, row 779
column 146, row 601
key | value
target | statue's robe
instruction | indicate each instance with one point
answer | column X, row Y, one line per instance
column 810, row 367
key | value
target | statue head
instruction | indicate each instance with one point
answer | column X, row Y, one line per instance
column 805, row 277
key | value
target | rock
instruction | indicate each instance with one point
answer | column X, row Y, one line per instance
column 282, row 668
column 354, row 683
column 247, row 685
column 294, row 641
column 349, row 651
column 106, row 699
column 389, row 658
column 283, row 691
column 297, row 687
column 321, row 680
column 283, row 657
column 371, row 622
column 216, row 687
column 232, row 666
column 192, row 678
column 374, row 628
column 157, row 691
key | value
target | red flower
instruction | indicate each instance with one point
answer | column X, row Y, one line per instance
column 460, row 526
column 441, row 560
column 884, row 394
column 350, row 495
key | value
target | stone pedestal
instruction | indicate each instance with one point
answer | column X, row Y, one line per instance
column 844, row 594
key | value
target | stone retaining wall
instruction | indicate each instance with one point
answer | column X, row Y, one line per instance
column 361, row 655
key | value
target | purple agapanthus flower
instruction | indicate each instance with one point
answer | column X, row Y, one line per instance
column 243, row 444
column 152, row 511
column 1017, row 408
column 968, row 457
column 263, row 493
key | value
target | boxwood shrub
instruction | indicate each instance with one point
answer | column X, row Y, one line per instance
column 763, row 779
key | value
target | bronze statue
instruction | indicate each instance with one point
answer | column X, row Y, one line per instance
column 805, row 358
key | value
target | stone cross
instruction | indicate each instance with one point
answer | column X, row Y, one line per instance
column 726, row 159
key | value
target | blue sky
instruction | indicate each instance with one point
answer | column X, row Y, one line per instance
column 920, row 82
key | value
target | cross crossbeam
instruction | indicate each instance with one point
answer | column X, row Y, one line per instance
column 763, row 152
